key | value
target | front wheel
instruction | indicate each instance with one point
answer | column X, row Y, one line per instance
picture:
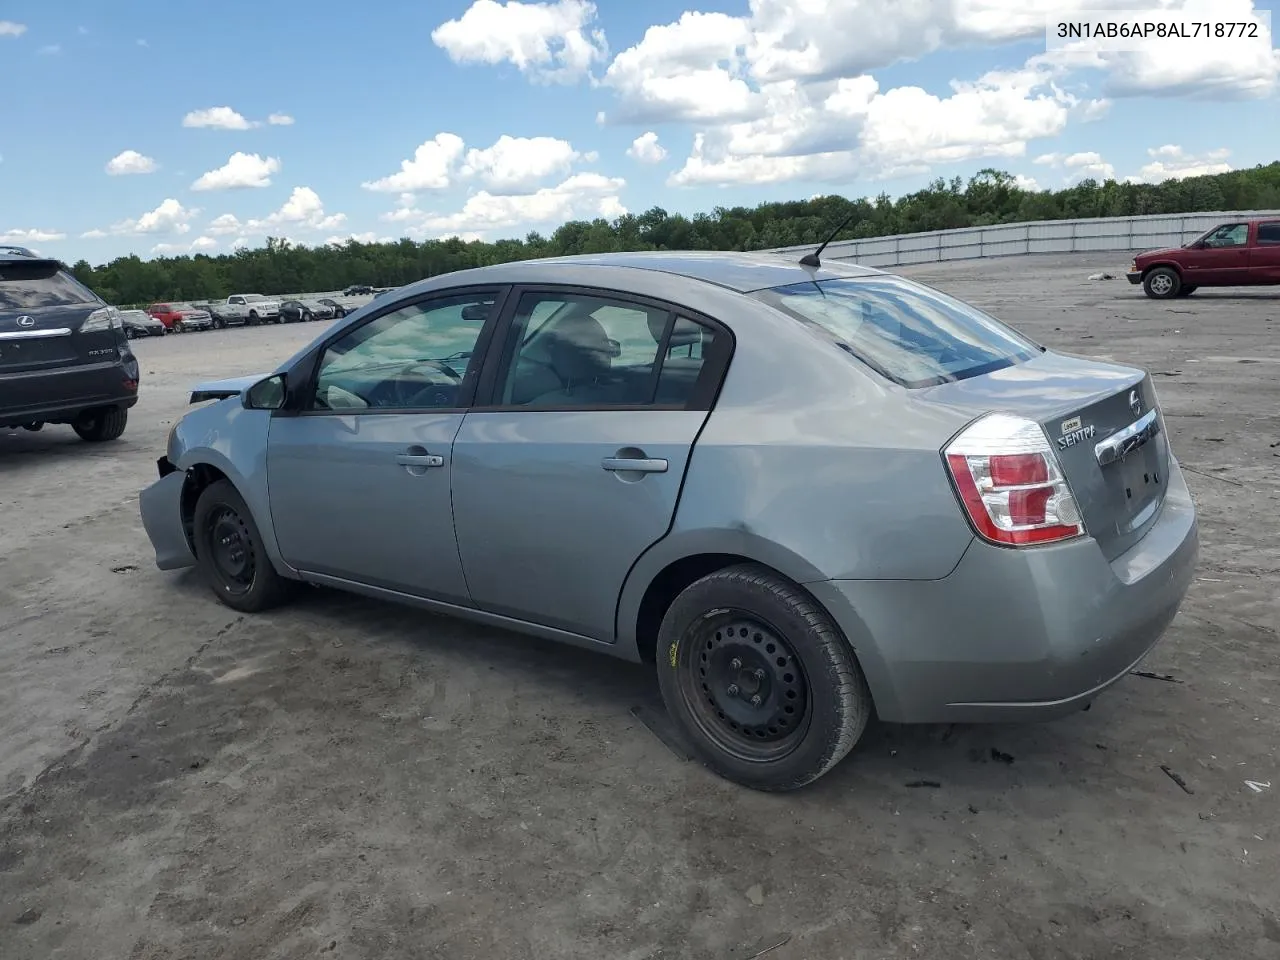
column 98, row 426
column 1162, row 283
column 179, row 327
column 229, row 552
column 760, row 680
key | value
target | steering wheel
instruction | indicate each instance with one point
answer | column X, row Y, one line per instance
column 406, row 393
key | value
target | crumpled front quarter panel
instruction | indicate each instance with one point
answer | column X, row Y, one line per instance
column 234, row 440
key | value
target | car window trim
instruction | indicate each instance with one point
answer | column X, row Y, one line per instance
column 307, row 369
column 706, row 389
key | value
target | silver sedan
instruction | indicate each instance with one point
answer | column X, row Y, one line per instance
column 804, row 493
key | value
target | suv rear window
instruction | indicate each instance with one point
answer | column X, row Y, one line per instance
column 32, row 284
column 911, row 334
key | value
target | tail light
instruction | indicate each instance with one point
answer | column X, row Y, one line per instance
column 1010, row 483
column 105, row 318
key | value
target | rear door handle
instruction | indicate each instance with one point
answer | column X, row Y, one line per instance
column 417, row 456
column 634, row 465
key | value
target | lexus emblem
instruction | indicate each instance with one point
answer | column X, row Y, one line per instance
column 26, row 321
column 1135, row 402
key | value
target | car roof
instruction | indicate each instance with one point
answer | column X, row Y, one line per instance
column 743, row 272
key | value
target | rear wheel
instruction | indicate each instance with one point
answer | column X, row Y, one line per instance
column 229, row 552
column 102, row 424
column 760, row 680
column 1162, row 283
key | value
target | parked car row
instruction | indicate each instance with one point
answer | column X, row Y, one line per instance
column 246, row 309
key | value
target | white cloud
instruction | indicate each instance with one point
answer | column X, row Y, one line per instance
column 198, row 245
column 551, row 42
column 1025, row 183
column 430, row 169
column 242, row 170
column 170, row 217
column 216, row 118
column 518, row 163
column 647, row 149
column 367, row 237
column 224, row 225
column 130, row 162
column 280, row 120
column 689, row 70
column 303, row 210
column 1171, row 162
column 22, row 238
column 1078, row 166
column 10, row 29
column 583, row 195
column 856, row 131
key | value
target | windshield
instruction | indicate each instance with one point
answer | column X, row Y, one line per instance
column 911, row 334
column 39, row 283
column 253, row 298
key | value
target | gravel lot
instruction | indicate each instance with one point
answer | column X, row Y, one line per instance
column 351, row 779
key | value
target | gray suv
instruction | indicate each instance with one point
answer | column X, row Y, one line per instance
column 64, row 355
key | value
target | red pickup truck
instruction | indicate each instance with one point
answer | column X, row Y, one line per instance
column 1244, row 253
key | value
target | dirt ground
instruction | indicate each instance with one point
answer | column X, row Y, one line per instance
column 350, row 779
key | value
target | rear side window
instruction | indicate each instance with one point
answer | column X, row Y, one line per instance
column 912, row 335
column 1269, row 233
column 30, row 285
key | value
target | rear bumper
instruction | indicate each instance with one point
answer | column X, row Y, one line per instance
column 1018, row 634
column 62, row 393
column 161, row 507
column 1134, row 276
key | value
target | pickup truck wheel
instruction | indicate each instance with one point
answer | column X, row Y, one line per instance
column 102, row 424
column 1186, row 291
column 229, row 552
column 1162, row 283
column 760, row 680
column 253, row 318
column 179, row 327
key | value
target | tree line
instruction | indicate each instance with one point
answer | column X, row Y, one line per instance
column 989, row 197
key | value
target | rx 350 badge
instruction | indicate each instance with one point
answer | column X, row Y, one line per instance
column 1075, row 431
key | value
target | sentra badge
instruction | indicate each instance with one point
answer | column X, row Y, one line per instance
column 1074, row 431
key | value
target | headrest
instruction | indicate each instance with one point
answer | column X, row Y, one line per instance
column 579, row 349
column 685, row 332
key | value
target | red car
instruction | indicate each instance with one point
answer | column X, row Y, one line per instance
column 177, row 319
column 1244, row 253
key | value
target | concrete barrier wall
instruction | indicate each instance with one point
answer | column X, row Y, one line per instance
column 1042, row 236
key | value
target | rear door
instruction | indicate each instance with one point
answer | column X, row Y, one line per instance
column 43, row 314
column 1264, row 255
column 573, row 467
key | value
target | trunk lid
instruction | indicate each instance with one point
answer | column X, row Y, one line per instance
column 1105, row 427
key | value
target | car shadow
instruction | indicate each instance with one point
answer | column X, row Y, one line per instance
column 52, row 441
column 974, row 760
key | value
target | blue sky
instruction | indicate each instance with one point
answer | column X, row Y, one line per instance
column 304, row 119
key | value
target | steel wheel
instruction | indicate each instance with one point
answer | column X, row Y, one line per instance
column 231, row 549
column 744, row 686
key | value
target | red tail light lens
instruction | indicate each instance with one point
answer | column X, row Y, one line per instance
column 1010, row 483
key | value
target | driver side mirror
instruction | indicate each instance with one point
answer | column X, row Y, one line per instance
column 268, row 394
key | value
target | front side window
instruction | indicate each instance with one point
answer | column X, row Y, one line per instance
column 417, row 357
column 579, row 350
column 1228, row 235
column 910, row 334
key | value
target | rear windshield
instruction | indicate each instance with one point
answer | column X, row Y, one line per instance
column 910, row 334
column 39, row 283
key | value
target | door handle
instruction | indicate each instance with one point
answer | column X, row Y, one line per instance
column 418, row 457
column 634, row 465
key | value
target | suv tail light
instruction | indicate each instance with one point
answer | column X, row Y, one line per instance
column 104, row 319
column 1010, row 482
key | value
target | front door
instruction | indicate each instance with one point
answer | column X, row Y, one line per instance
column 359, row 480
column 574, row 468
column 1223, row 260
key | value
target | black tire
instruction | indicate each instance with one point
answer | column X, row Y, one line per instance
column 101, row 424
column 1187, row 291
column 307, row 316
column 761, row 637
column 1162, row 283
column 253, row 318
column 131, row 333
column 33, row 427
column 179, row 327
column 229, row 552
